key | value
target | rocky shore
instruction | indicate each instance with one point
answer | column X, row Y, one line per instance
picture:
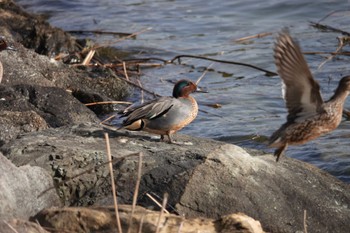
column 54, row 176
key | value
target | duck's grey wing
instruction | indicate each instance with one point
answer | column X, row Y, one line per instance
column 149, row 110
column 300, row 90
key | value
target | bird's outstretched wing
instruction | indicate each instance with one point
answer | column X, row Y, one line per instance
column 300, row 90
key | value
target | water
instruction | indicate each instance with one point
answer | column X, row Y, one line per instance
column 251, row 102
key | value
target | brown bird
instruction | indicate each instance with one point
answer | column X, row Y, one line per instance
column 308, row 115
column 164, row 115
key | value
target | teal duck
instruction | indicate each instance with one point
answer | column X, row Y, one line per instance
column 308, row 115
column 164, row 115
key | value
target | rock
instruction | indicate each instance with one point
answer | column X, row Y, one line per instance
column 20, row 226
column 55, row 105
column 26, row 66
column 21, row 188
column 204, row 178
column 13, row 123
column 102, row 219
column 33, row 31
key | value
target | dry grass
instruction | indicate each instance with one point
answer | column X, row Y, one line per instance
column 109, row 156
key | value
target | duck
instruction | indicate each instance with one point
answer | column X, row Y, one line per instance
column 164, row 115
column 309, row 117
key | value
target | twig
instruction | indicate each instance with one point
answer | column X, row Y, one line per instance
column 155, row 201
column 138, row 86
column 180, row 227
column 340, row 46
column 260, row 35
column 329, row 14
column 109, row 156
column 142, row 94
column 333, row 53
column 107, row 119
column 88, row 57
column 141, row 223
column 205, row 71
column 108, row 102
column 137, row 186
column 165, row 200
column 10, row 226
column 329, row 28
column 267, row 73
column 98, row 32
column 305, row 224
column 125, row 73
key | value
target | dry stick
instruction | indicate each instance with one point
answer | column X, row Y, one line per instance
column 99, row 32
column 125, row 73
column 268, row 73
column 107, row 119
column 138, row 86
column 180, row 227
column 340, row 46
column 329, row 28
column 321, row 53
column 142, row 94
column 11, row 227
column 155, row 201
column 108, row 102
column 109, row 156
column 326, row 16
column 305, row 225
column 165, row 200
column 204, row 73
column 260, row 35
column 137, row 186
column 331, row 13
column 88, row 57
column 141, row 224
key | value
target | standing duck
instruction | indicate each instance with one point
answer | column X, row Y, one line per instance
column 165, row 115
column 308, row 115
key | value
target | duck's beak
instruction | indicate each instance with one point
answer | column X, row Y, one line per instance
column 201, row 90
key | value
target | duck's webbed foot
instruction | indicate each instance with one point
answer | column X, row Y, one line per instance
column 279, row 151
column 162, row 138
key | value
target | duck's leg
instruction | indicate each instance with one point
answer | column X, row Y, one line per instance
column 279, row 151
column 170, row 137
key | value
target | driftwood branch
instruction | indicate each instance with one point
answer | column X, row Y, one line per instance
column 260, row 35
column 329, row 28
column 121, row 34
column 267, row 72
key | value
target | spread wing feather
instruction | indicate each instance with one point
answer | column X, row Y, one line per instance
column 301, row 91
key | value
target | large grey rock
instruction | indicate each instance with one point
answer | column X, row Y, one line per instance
column 203, row 178
column 21, row 188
